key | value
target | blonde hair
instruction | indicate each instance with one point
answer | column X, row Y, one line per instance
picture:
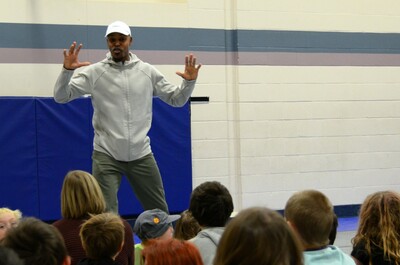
column 102, row 235
column 379, row 225
column 81, row 195
column 17, row 213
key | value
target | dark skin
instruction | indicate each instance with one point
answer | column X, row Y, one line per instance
column 119, row 44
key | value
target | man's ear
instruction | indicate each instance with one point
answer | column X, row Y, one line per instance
column 131, row 42
column 67, row 261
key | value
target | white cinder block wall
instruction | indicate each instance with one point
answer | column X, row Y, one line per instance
column 279, row 129
column 268, row 130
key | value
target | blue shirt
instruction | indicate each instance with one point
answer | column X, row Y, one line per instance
column 331, row 255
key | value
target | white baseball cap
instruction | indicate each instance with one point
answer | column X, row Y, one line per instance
column 118, row 27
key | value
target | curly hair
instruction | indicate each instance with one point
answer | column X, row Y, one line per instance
column 379, row 225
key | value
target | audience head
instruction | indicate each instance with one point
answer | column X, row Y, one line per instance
column 186, row 227
column 152, row 224
column 258, row 236
column 171, row 252
column 102, row 236
column 81, row 195
column 379, row 224
column 211, row 204
column 9, row 257
column 8, row 219
column 310, row 214
column 37, row 243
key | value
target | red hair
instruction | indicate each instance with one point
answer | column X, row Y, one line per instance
column 171, row 252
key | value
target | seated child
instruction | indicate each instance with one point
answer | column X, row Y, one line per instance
column 171, row 252
column 8, row 218
column 377, row 240
column 102, row 239
column 310, row 214
column 37, row 243
column 258, row 235
column 152, row 224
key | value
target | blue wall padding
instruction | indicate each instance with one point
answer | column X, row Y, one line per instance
column 18, row 155
column 64, row 142
column 42, row 140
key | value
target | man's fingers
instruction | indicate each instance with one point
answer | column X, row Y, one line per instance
column 72, row 48
column 190, row 60
column 79, row 48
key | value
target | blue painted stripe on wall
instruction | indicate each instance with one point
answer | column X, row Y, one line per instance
column 47, row 36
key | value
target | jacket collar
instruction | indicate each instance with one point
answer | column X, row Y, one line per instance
column 133, row 59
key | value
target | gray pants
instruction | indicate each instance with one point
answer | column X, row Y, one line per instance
column 143, row 175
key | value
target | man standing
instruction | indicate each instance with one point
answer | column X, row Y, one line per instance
column 122, row 89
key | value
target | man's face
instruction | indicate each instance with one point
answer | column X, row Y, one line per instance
column 118, row 44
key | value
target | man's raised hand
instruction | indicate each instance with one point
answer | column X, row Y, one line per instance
column 71, row 61
column 191, row 71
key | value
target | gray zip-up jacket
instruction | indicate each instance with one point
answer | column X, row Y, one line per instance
column 122, row 97
column 207, row 241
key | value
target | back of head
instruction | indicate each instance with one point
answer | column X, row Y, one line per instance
column 187, row 226
column 211, row 204
column 81, row 195
column 379, row 223
column 36, row 242
column 9, row 257
column 171, row 252
column 311, row 214
column 258, row 236
column 102, row 236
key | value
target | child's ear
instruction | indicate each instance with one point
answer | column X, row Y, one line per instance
column 292, row 226
column 122, row 245
column 67, row 260
column 119, row 250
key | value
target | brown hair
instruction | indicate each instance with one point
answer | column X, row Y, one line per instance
column 379, row 225
column 81, row 195
column 102, row 236
column 186, row 227
column 171, row 252
column 260, row 236
column 311, row 213
column 36, row 242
